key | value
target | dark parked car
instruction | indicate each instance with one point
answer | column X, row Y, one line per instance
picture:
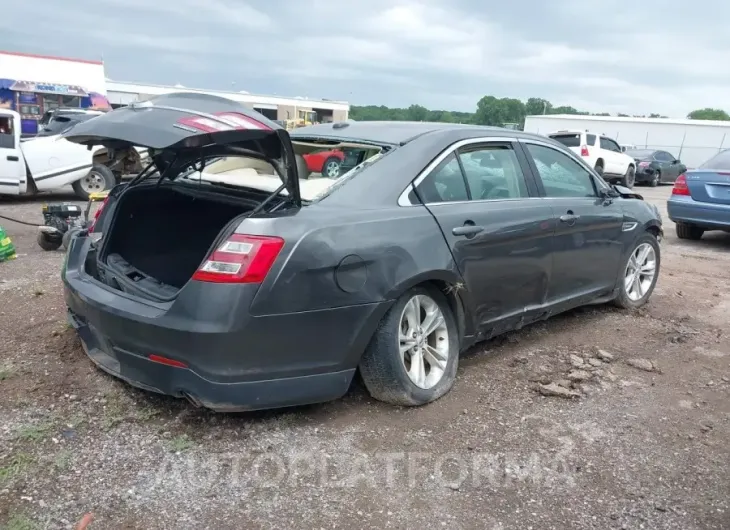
column 656, row 167
column 238, row 286
column 700, row 200
column 58, row 120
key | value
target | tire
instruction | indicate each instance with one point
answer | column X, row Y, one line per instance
column 636, row 295
column 66, row 239
column 655, row 179
column 629, row 179
column 382, row 367
column 48, row 243
column 100, row 178
column 331, row 168
column 685, row 231
column 599, row 167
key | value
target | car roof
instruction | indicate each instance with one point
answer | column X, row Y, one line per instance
column 398, row 132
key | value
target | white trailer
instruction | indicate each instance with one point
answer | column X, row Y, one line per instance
column 692, row 141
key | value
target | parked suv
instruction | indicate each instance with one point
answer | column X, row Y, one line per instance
column 602, row 153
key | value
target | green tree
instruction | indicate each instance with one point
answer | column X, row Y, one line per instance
column 709, row 114
column 417, row 113
column 535, row 106
column 497, row 112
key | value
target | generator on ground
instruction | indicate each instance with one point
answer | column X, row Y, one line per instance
column 61, row 221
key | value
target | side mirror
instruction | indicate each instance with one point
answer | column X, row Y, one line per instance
column 677, row 162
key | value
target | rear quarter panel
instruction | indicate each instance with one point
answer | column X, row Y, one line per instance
column 335, row 258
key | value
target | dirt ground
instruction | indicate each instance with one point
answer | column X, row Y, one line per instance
column 646, row 445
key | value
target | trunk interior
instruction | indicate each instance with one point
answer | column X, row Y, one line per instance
column 161, row 235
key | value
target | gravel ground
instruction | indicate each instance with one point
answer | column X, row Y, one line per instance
column 645, row 445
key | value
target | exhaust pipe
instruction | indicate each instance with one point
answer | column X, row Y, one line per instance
column 192, row 400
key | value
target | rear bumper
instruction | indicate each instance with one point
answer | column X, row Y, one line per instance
column 231, row 360
column 707, row 215
column 141, row 372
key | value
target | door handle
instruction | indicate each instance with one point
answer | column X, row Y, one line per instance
column 12, row 158
column 569, row 218
column 468, row 230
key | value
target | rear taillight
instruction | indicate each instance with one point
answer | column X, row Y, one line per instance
column 584, row 150
column 643, row 164
column 97, row 214
column 680, row 186
column 240, row 259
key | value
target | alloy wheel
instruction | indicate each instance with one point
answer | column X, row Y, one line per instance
column 640, row 272
column 423, row 341
column 332, row 170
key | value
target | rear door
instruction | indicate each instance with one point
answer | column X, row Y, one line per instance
column 587, row 249
column 484, row 198
column 12, row 165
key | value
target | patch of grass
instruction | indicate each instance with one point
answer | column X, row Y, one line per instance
column 146, row 413
column 6, row 371
column 17, row 465
column 21, row 522
column 180, row 443
column 62, row 462
column 34, row 433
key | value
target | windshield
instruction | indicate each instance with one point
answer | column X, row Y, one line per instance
column 719, row 161
column 320, row 169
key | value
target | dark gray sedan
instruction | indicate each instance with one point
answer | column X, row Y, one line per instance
column 228, row 275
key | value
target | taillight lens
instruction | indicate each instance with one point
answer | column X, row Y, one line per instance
column 643, row 164
column 584, row 150
column 97, row 214
column 240, row 259
column 680, row 186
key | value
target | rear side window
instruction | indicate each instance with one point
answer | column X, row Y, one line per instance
column 590, row 139
column 569, row 140
column 719, row 161
column 493, row 173
column 444, row 184
column 561, row 175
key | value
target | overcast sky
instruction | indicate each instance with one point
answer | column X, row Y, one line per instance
column 643, row 56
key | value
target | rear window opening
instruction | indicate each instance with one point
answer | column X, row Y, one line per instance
column 568, row 140
column 162, row 233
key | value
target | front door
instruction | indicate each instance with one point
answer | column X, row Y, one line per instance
column 12, row 165
column 499, row 232
column 670, row 167
column 587, row 246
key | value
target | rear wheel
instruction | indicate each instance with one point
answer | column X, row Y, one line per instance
column 655, row 179
column 629, row 178
column 48, row 242
column 331, row 168
column 640, row 273
column 413, row 356
column 685, row 231
column 99, row 179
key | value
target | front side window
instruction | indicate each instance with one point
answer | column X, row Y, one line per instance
column 561, row 175
column 493, row 173
column 590, row 139
column 7, row 134
column 610, row 145
column 663, row 156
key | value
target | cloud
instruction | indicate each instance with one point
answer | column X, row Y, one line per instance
column 634, row 57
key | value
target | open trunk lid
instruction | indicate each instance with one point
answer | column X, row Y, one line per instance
column 184, row 127
column 706, row 185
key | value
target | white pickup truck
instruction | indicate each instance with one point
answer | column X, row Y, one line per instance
column 48, row 163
